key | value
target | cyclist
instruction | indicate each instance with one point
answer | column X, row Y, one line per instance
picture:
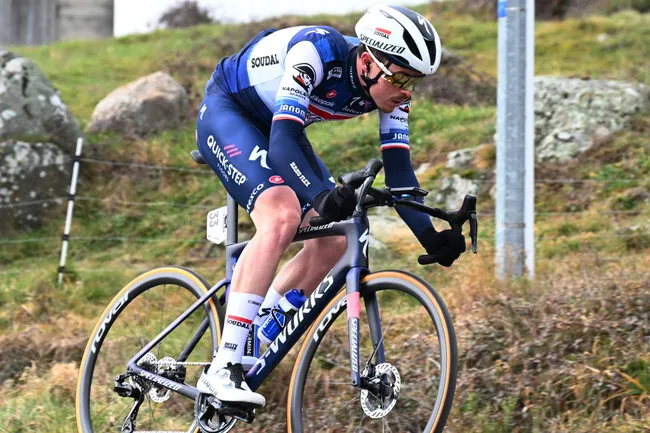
column 251, row 131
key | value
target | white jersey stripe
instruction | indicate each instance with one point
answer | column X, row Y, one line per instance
column 288, row 117
column 394, row 145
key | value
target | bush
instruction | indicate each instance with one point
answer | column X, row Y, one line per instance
column 544, row 9
column 642, row 6
column 556, row 9
column 561, row 351
column 185, row 14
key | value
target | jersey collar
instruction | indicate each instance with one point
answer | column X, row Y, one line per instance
column 353, row 77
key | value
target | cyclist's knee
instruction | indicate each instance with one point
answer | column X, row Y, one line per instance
column 277, row 211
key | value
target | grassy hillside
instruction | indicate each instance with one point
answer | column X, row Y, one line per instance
column 578, row 334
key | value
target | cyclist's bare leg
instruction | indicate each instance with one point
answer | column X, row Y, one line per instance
column 318, row 256
column 276, row 217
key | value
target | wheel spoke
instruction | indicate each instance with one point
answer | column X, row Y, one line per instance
column 162, row 313
column 121, row 341
column 146, row 315
column 384, row 332
column 353, row 399
column 142, row 337
column 411, row 341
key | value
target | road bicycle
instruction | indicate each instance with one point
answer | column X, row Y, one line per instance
column 388, row 364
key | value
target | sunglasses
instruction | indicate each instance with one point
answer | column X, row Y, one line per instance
column 398, row 79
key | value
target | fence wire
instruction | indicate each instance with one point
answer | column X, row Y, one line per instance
column 219, row 266
column 490, row 215
column 147, row 204
column 206, row 171
column 147, row 166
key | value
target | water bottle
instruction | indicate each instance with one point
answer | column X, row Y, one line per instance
column 280, row 315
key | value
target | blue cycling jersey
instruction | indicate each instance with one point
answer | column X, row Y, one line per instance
column 285, row 80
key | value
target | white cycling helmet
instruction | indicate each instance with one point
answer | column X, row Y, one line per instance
column 405, row 37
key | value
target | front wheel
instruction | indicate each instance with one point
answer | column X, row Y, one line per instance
column 135, row 316
column 408, row 366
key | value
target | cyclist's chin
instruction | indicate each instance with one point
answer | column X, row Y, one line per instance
column 386, row 107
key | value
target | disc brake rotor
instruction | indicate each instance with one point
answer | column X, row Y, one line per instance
column 385, row 385
column 167, row 368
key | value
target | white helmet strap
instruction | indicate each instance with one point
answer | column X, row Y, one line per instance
column 383, row 67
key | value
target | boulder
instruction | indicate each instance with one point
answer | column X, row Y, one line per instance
column 30, row 172
column 146, row 106
column 38, row 135
column 460, row 159
column 571, row 115
column 383, row 224
column 31, row 108
column 451, row 192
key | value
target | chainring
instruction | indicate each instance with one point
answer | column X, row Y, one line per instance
column 207, row 417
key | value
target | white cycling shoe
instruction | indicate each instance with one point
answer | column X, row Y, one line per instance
column 228, row 385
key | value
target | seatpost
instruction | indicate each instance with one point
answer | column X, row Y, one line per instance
column 232, row 220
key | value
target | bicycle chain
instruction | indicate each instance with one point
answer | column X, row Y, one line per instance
column 198, row 364
column 159, row 431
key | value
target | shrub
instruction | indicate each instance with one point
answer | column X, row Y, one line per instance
column 642, row 6
column 185, row 14
column 557, row 9
column 567, row 350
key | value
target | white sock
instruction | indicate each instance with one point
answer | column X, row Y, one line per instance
column 241, row 310
column 271, row 300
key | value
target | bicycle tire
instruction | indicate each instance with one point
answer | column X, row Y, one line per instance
column 373, row 284
column 170, row 275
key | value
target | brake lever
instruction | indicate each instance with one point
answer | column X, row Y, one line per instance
column 427, row 259
column 466, row 212
column 473, row 231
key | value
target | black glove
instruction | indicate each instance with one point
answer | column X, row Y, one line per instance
column 447, row 245
column 337, row 204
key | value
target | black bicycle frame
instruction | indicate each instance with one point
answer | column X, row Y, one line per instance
column 348, row 270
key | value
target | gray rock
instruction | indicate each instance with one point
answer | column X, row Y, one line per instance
column 31, row 108
column 30, row 172
column 423, row 168
column 383, row 223
column 571, row 115
column 38, row 134
column 451, row 192
column 146, row 106
column 462, row 158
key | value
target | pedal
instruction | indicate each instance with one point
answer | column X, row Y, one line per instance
column 242, row 413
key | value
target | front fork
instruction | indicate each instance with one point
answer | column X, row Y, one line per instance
column 353, row 298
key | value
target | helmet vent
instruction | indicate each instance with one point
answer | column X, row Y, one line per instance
column 401, row 59
column 410, row 42
column 431, row 46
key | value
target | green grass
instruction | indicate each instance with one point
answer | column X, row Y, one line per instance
column 567, row 48
column 85, row 72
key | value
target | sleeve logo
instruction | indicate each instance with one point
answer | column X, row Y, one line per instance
column 335, row 72
column 304, row 76
column 318, row 32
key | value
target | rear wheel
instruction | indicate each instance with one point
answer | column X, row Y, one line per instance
column 135, row 316
column 408, row 389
